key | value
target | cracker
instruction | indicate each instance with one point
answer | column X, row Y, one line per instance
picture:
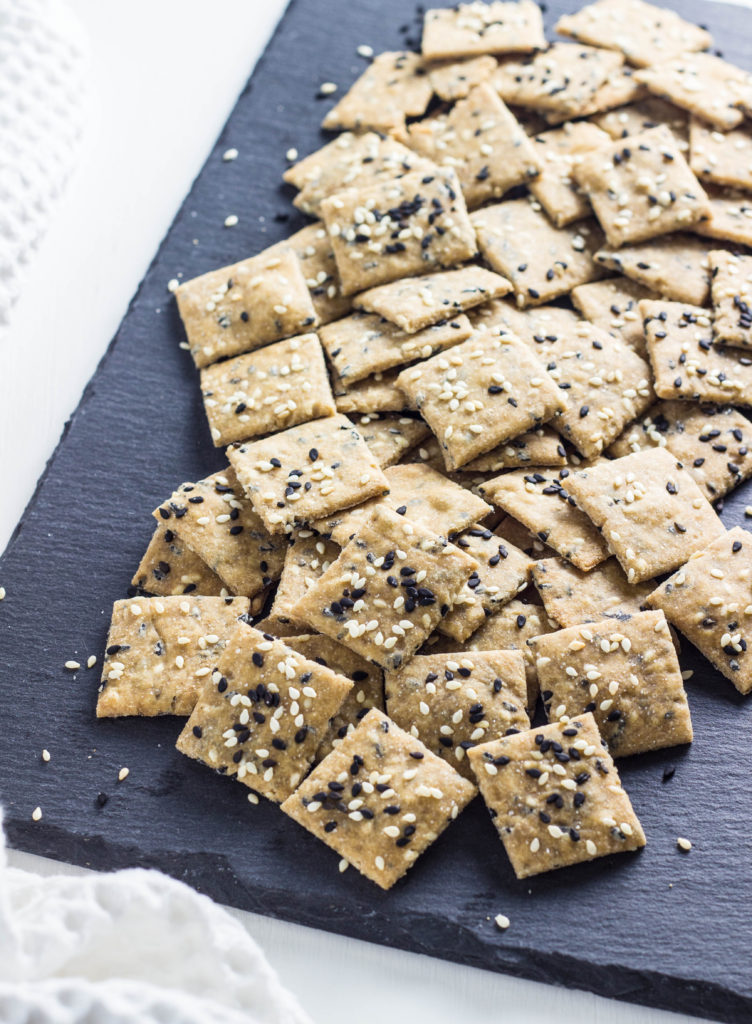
column 704, row 85
column 412, row 225
column 363, row 344
column 419, row 493
column 160, row 650
column 558, row 151
column 482, row 140
column 541, row 447
column 451, row 704
column 651, row 512
column 645, row 113
column 503, row 569
column 216, row 521
column 381, row 604
column 613, row 306
column 534, row 324
column 511, row 232
column 708, row 599
column 313, row 248
column 562, row 79
column 350, row 161
column 674, row 266
column 367, row 691
column 723, row 158
column 626, row 673
column 731, row 290
column 641, row 187
column 306, row 559
column 377, row 393
column 555, row 796
column 607, row 384
column 380, row 799
column 542, row 502
column 453, row 79
column 571, row 596
column 713, row 442
column 246, row 305
column 390, row 437
column 169, row 568
column 645, row 34
column 486, row 390
column 686, row 363
column 393, row 86
column 307, row 472
column 278, row 386
column 619, row 88
column 263, row 713
column 496, row 27
column 526, row 540
column 729, row 216
column 419, row 302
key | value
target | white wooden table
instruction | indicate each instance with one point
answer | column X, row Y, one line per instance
column 116, row 209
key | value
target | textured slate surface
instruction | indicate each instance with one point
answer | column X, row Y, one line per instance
column 659, row 928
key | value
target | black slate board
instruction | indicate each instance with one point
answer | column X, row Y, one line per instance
column 660, row 928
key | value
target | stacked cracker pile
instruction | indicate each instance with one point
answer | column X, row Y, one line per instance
column 445, row 494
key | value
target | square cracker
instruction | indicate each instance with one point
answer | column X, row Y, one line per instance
column 710, row 600
column 626, row 673
column 645, row 113
column 246, row 305
column 159, row 651
column 612, row 305
column 534, row 324
column 263, row 713
column 686, row 362
column 526, row 540
column 377, row 393
column 541, row 447
column 571, row 596
column 644, row 33
column 453, row 79
column 363, row 344
column 558, row 151
column 674, row 266
column 394, row 86
column 607, row 384
column 307, row 558
column 503, row 572
column 388, row 589
column 419, row 493
column 452, row 703
column 313, row 247
column 380, row 799
column 555, row 796
column 481, row 138
column 217, row 522
column 562, row 79
column 395, row 229
column 262, row 392
column 418, row 302
column 542, row 261
column 350, row 161
column 542, row 502
column 731, row 292
column 649, row 509
column 484, row 391
column 641, row 187
column 619, row 89
column 713, row 442
column 390, row 437
column 496, row 27
column 170, row 568
column 704, row 85
column 367, row 691
column 723, row 158
column 729, row 216
column 307, row 472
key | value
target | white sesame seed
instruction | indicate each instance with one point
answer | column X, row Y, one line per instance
column 123, row 774
column 230, row 154
column 45, row 755
column 684, row 844
column 36, row 814
column 343, row 865
column 231, row 221
column 502, row 922
column 364, row 50
column 173, row 284
column 327, row 88
column 252, row 798
column 91, row 661
column 291, row 154
column 72, row 666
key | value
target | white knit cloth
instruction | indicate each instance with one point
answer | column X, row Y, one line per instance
column 132, row 947
column 44, row 90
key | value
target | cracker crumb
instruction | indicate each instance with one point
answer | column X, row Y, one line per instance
column 91, row 661
column 684, row 844
column 230, row 154
column 45, row 755
column 231, row 221
column 502, row 922
column 72, row 666
column 36, row 814
column 123, row 774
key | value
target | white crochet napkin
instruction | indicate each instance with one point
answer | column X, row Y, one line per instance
column 44, row 90
column 131, row 947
